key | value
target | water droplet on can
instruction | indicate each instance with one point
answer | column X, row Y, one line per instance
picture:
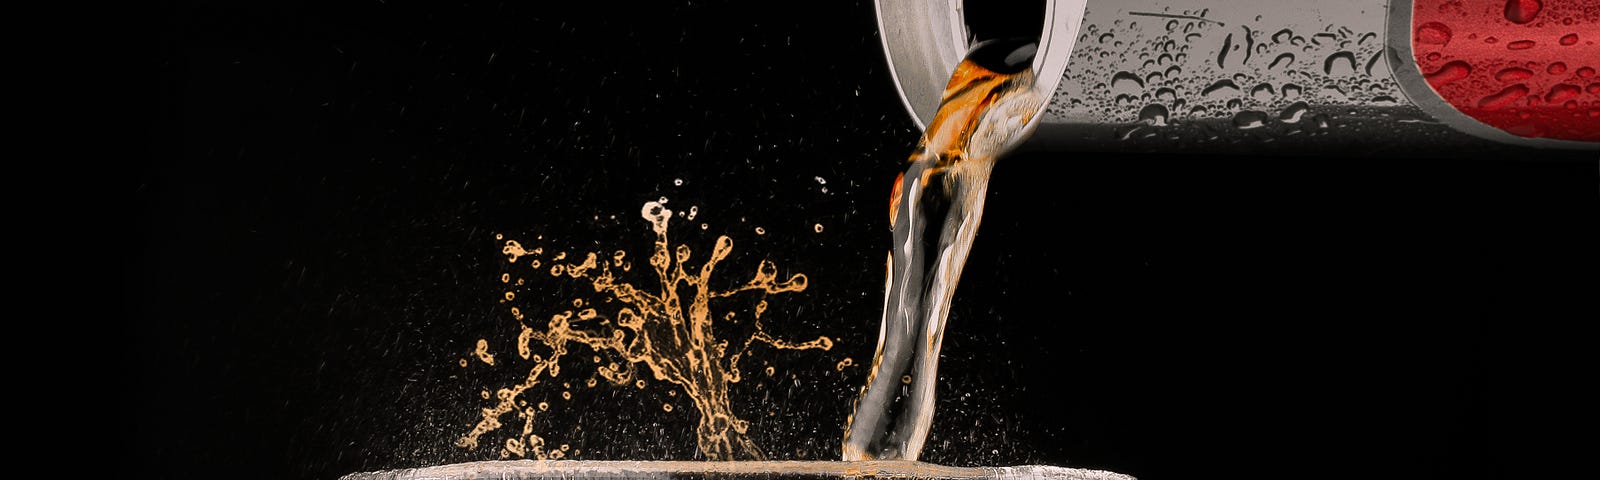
column 1513, row 74
column 1262, row 93
column 1291, row 91
column 1522, row 11
column 1154, row 114
column 1126, row 82
column 1432, row 33
column 1503, row 97
column 1450, row 72
column 1249, row 119
column 1220, row 88
column 1293, row 112
column 1562, row 92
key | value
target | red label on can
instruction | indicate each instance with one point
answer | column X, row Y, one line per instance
column 1527, row 67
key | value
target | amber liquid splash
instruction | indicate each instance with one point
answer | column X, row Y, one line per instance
column 663, row 331
column 935, row 208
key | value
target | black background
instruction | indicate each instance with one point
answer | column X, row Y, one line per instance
column 317, row 250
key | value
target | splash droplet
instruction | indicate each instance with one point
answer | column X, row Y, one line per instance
column 1569, row 40
column 1556, row 68
column 1520, row 45
column 482, row 351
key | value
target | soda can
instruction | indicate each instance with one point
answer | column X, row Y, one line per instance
column 1401, row 77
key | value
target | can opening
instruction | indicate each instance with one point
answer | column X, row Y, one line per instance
column 924, row 40
column 992, row 19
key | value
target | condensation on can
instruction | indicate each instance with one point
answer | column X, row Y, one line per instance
column 1396, row 77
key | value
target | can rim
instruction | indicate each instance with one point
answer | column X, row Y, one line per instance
column 933, row 36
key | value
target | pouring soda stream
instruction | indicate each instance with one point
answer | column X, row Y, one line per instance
column 935, row 207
